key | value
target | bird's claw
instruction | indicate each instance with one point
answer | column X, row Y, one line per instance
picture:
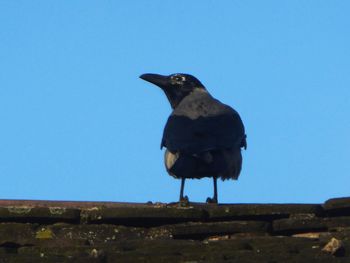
column 184, row 201
column 212, row 200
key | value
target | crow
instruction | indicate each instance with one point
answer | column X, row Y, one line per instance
column 203, row 137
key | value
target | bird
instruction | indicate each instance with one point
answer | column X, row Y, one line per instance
column 203, row 137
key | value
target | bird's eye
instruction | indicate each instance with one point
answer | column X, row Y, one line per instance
column 176, row 79
column 180, row 78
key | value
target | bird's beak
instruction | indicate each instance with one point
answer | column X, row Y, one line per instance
column 156, row 79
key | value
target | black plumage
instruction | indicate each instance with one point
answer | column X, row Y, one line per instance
column 203, row 137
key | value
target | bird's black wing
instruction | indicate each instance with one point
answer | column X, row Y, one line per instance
column 219, row 131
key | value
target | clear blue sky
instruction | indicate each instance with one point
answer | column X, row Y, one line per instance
column 78, row 124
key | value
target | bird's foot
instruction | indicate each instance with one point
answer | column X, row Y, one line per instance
column 212, row 200
column 184, row 201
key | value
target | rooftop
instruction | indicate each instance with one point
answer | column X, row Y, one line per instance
column 55, row 231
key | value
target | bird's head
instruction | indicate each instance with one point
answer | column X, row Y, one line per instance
column 175, row 86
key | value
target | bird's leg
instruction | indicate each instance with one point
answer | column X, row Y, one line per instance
column 182, row 198
column 182, row 188
column 215, row 197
